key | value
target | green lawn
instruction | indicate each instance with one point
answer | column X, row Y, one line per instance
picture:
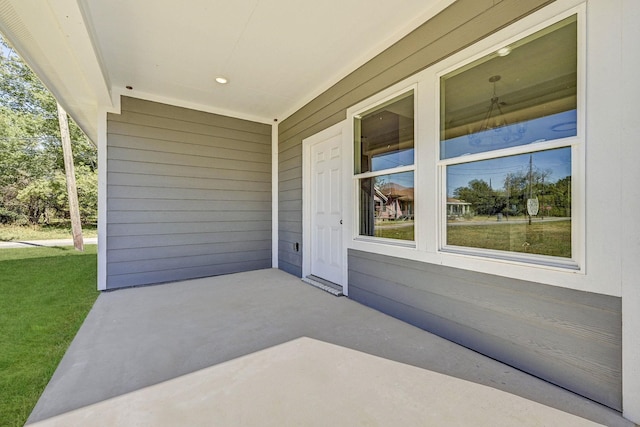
column 402, row 230
column 45, row 294
column 11, row 233
column 543, row 238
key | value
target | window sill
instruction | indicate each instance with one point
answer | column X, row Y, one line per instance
column 521, row 258
column 386, row 242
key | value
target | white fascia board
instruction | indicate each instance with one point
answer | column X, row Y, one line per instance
column 54, row 40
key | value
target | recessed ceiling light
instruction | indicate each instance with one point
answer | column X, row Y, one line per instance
column 221, row 80
column 504, row 51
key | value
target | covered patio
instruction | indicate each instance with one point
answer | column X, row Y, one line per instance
column 144, row 355
column 219, row 123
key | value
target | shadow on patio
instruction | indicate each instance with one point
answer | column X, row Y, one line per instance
column 136, row 338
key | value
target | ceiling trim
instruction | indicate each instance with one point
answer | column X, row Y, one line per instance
column 133, row 93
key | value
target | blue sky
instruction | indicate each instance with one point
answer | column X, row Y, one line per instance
column 557, row 162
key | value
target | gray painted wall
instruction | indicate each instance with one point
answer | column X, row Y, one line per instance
column 567, row 337
column 188, row 194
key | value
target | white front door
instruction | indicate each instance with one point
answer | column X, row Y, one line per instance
column 326, row 209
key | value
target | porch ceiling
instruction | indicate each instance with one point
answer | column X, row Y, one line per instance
column 277, row 55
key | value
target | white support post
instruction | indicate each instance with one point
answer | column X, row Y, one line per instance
column 630, row 239
column 102, row 200
column 274, row 195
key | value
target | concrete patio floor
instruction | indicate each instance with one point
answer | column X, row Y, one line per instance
column 215, row 347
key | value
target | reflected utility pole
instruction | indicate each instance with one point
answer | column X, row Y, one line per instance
column 530, row 182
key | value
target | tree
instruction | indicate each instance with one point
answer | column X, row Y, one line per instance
column 481, row 196
column 559, row 197
column 30, row 150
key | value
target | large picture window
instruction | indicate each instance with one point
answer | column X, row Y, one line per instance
column 508, row 125
column 479, row 160
column 384, row 165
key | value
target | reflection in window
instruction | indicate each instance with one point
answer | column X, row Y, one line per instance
column 384, row 136
column 387, row 206
column 518, row 203
column 521, row 94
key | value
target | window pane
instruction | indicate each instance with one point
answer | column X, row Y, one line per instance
column 518, row 203
column 520, row 94
column 384, row 136
column 387, row 206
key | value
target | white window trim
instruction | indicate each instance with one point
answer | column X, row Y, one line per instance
column 577, row 261
column 359, row 110
column 428, row 167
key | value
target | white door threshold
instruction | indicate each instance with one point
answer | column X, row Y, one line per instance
column 325, row 285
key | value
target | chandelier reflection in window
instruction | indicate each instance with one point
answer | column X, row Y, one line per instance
column 494, row 130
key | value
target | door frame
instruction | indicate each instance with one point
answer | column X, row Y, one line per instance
column 333, row 131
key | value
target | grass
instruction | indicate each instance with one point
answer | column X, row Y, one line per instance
column 542, row 238
column 12, row 233
column 45, row 294
column 402, row 230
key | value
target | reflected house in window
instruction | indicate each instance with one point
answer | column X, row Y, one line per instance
column 393, row 202
column 457, row 208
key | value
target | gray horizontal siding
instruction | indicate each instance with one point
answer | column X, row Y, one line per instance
column 148, row 278
column 188, row 194
column 161, row 158
column 458, row 26
column 228, row 194
column 156, row 205
column 177, row 251
column 158, row 245
column 567, row 337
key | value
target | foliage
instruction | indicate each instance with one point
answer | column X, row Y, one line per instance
column 45, row 295
column 57, row 229
column 554, row 198
column 32, row 183
column 7, row 216
column 87, row 186
column 481, row 196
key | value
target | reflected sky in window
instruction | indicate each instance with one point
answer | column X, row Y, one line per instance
column 556, row 164
column 392, row 160
column 555, row 126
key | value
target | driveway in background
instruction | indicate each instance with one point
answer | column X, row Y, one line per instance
column 54, row 242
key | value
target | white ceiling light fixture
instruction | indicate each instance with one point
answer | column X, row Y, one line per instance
column 222, row 80
column 504, row 51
